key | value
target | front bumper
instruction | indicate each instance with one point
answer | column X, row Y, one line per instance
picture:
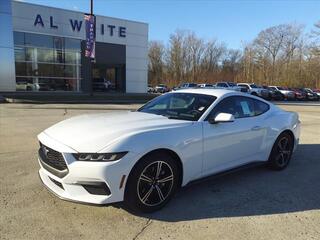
column 87, row 182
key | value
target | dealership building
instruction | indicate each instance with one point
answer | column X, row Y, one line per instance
column 42, row 49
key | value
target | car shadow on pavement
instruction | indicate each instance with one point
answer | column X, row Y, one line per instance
column 251, row 192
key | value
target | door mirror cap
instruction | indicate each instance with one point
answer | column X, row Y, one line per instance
column 222, row 118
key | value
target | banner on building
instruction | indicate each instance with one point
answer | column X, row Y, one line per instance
column 90, row 23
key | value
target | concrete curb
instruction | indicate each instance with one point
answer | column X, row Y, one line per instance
column 75, row 98
column 80, row 101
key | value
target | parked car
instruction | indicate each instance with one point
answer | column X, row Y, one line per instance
column 274, row 94
column 299, row 95
column 187, row 85
column 161, row 88
column 150, row 89
column 317, row 91
column 143, row 157
column 288, row 95
column 255, row 90
column 100, row 84
column 205, row 85
column 311, row 95
column 230, row 86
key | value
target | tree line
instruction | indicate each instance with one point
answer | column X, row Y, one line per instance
column 283, row 55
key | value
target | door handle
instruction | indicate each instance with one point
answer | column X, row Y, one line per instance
column 256, row 128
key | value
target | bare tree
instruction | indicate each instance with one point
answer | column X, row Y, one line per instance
column 281, row 55
column 271, row 40
column 156, row 61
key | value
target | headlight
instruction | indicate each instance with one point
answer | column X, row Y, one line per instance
column 99, row 157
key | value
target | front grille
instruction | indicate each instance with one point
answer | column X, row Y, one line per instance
column 53, row 158
column 52, row 161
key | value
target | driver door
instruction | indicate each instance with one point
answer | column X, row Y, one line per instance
column 231, row 144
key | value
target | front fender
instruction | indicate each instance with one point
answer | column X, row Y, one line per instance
column 186, row 142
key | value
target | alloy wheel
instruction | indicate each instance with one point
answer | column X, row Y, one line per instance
column 155, row 183
column 283, row 152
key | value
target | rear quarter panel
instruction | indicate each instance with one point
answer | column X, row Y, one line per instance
column 278, row 121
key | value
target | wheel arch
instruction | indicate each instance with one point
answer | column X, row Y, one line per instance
column 170, row 152
column 289, row 131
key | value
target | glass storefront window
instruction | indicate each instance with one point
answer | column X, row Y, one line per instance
column 73, row 44
column 58, row 43
column 43, row 64
column 30, row 54
column 70, row 71
column 18, row 38
column 45, row 55
column 72, row 57
column 45, row 70
column 59, row 70
column 38, row 40
column 20, row 54
column 21, row 68
column 59, row 56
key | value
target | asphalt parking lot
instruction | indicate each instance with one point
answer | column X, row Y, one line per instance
column 251, row 204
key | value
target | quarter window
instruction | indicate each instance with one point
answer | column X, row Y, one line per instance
column 260, row 107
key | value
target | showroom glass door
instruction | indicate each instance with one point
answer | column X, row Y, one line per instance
column 106, row 78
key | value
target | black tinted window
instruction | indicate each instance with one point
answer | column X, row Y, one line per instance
column 260, row 107
column 222, row 85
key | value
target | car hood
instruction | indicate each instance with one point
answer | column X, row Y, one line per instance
column 93, row 132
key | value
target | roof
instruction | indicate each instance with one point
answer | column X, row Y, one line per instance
column 209, row 91
column 75, row 11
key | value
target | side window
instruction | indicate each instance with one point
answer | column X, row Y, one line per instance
column 260, row 107
column 228, row 105
column 245, row 106
column 244, row 85
column 240, row 107
column 222, row 85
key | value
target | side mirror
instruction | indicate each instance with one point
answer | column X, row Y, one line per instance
column 222, row 118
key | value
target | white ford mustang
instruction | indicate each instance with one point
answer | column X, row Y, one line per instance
column 143, row 157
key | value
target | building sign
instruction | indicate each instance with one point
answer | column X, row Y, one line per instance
column 90, row 22
column 76, row 26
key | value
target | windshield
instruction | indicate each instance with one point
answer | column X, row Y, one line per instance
column 253, row 86
column 183, row 106
column 231, row 84
column 192, row 85
column 281, row 88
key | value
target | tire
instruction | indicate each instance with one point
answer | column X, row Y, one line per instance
column 281, row 152
column 152, row 183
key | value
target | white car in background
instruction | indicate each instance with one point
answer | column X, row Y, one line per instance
column 287, row 94
column 205, row 85
column 142, row 157
column 255, row 90
column 229, row 86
